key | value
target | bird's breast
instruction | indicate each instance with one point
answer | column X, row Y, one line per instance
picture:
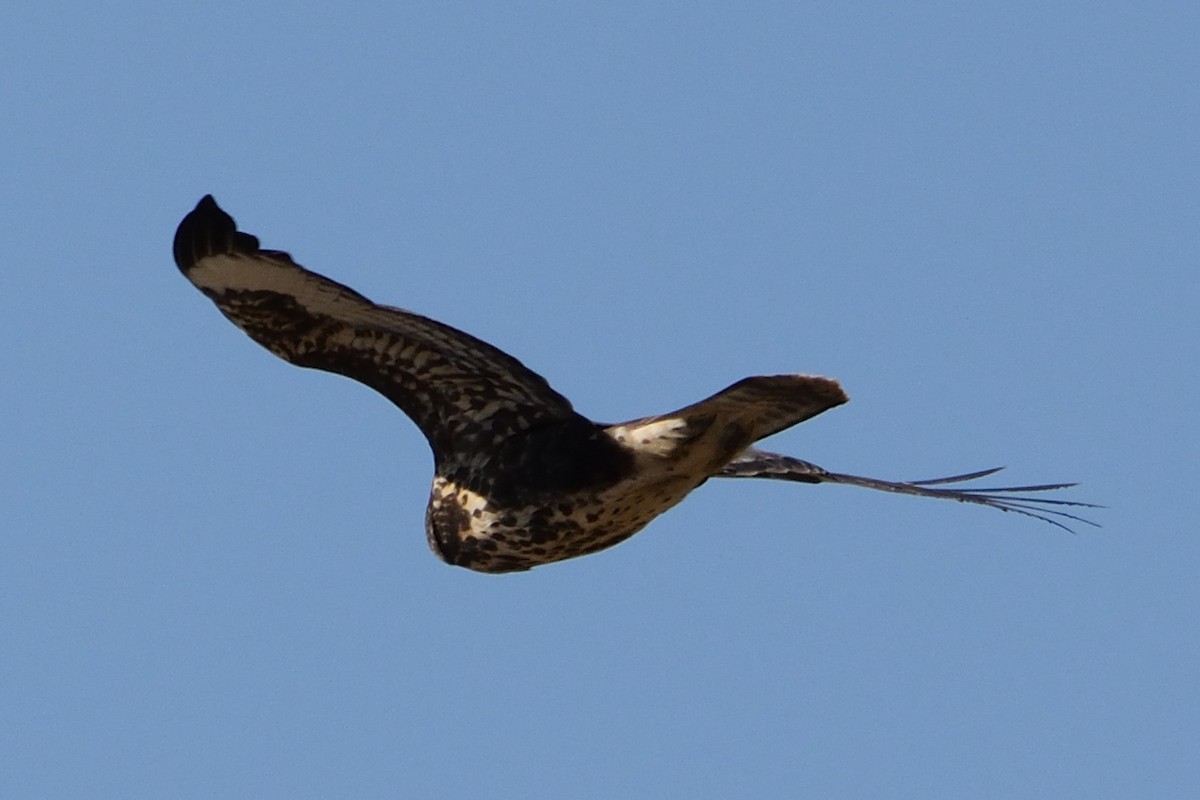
column 469, row 529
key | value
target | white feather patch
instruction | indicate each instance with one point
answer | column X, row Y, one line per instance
column 225, row 273
column 658, row 437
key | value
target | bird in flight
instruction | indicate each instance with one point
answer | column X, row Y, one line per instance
column 521, row 479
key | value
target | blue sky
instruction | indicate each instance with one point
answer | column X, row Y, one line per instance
column 981, row 218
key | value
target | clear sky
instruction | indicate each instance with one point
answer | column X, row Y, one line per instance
column 981, row 218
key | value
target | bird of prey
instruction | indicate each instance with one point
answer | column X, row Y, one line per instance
column 520, row 478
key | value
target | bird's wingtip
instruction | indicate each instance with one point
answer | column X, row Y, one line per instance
column 208, row 230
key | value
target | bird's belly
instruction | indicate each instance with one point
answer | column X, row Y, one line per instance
column 467, row 529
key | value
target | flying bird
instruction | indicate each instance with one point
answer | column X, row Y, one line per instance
column 520, row 478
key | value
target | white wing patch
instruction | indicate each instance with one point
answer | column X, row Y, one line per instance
column 659, row 437
column 233, row 273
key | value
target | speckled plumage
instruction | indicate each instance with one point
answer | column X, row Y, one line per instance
column 520, row 478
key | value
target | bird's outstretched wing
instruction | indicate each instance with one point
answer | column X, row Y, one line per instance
column 462, row 392
column 733, row 418
column 768, row 404
column 754, row 463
